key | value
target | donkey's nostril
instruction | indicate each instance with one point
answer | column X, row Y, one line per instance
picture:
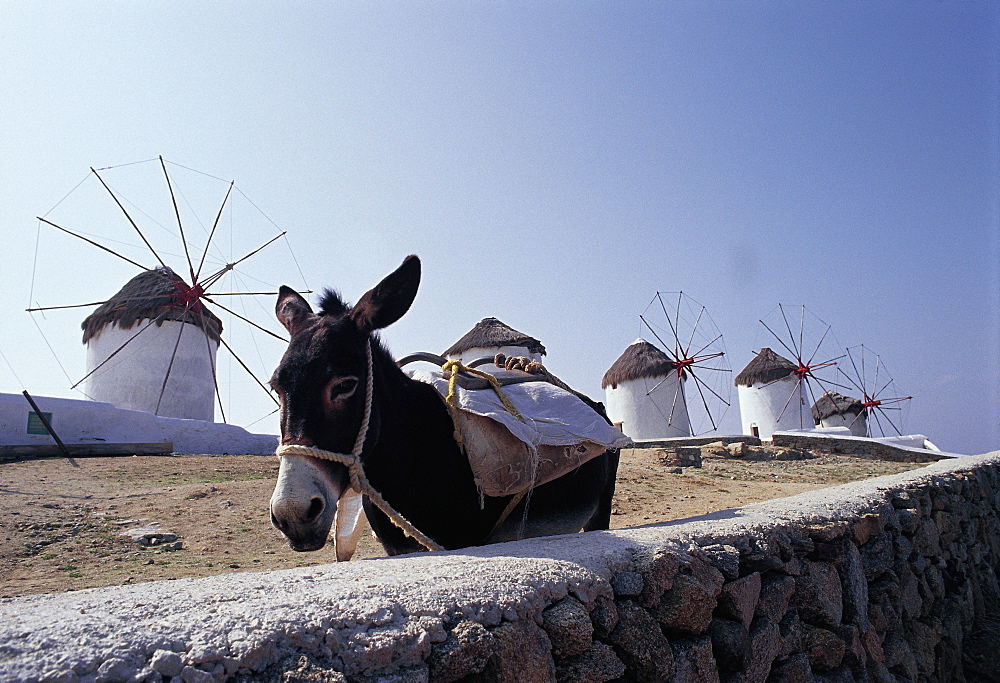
column 276, row 523
column 316, row 507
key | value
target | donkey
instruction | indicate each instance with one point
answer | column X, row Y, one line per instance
column 409, row 452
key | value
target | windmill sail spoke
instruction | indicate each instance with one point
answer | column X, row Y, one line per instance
column 249, row 371
column 212, row 279
column 245, row 319
column 677, row 321
column 699, row 380
column 832, row 383
column 852, row 381
column 59, row 308
column 673, row 404
column 802, row 325
column 173, row 356
column 129, row 217
column 208, row 244
column 795, row 390
column 694, row 329
column 180, row 225
column 780, row 340
column 791, row 335
column 875, row 414
column 704, row 404
column 657, row 385
column 819, row 345
column 662, row 343
column 673, row 330
column 702, row 349
column 92, row 242
column 211, row 360
column 100, row 365
column 857, row 417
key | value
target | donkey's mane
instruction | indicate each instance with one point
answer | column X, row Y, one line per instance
column 332, row 304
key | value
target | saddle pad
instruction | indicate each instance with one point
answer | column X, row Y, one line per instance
column 559, row 433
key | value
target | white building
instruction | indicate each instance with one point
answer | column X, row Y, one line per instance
column 152, row 348
column 835, row 410
column 644, row 394
column 490, row 337
column 772, row 397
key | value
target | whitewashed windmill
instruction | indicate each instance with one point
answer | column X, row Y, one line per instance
column 677, row 389
column 776, row 393
column 644, row 394
column 490, row 337
column 836, row 410
column 153, row 345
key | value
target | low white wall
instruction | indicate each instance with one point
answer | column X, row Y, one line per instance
column 883, row 578
column 78, row 421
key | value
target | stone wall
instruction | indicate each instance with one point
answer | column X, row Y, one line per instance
column 891, row 579
column 856, row 446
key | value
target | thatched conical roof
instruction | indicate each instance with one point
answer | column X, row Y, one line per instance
column 641, row 359
column 490, row 333
column 149, row 295
column 766, row 366
column 831, row 403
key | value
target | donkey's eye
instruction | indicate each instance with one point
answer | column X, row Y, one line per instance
column 343, row 388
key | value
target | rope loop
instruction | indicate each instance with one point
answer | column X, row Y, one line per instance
column 455, row 367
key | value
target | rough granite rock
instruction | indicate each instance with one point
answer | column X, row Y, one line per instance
column 466, row 650
column 694, row 661
column 568, row 627
column 604, row 617
column 687, row 607
column 765, row 644
column 522, row 654
column 775, row 595
column 738, row 599
column 730, row 641
column 640, row 644
column 627, row 584
column 825, row 649
column 854, row 589
column 794, row 669
column 818, row 595
column 597, row 664
column 658, row 572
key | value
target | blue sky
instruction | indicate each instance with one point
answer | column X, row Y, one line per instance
column 553, row 165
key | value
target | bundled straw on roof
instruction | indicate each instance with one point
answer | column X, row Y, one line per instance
column 766, row 366
column 490, row 333
column 640, row 360
column 154, row 294
column 831, row 403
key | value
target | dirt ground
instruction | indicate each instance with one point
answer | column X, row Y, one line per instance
column 62, row 525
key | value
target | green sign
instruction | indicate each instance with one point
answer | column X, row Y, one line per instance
column 35, row 424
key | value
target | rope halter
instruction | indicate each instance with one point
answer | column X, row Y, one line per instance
column 352, row 460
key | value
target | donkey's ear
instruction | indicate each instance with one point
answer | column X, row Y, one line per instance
column 292, row 310
column 390, row 299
